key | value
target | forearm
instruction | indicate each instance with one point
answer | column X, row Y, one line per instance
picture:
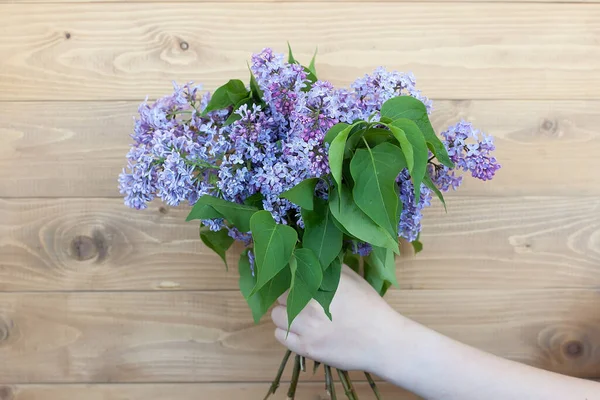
column 437, row 367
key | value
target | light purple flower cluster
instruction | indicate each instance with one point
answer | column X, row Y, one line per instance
column 180, row 154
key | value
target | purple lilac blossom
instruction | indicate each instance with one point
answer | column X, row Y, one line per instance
column 180, row 154
column 410, row 218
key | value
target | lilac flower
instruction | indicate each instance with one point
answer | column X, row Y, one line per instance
column 252, row 261
column 374, row 89
column 244, row 237
column 470, row 150
column 410, row 218
column 362, row 249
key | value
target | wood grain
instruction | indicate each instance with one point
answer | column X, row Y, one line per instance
column 77, row 149
column 481, row 243
column 183, row 391
column 210, row 337
column 124, row 51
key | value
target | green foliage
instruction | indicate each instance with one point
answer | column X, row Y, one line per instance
column 405, row 146
column 352, row 260
column 249, row 101
column 429, row 183
column 227, row 95
column 336, row 156
column 321, row 235
column 257, row 93
column 357, row 223
column 375, row 190
column 261, row 301
column 210, row 207
column 334, row 131
column 331, row 280
column 273, row 246
column 415, row 110
column 374, row 278
column 291, row 58
column 255, row 200
column 419, row 150
column 311, row 66
column 417, row 246
column 306, row 279
column 219, row 242
column 383, row 263
column 302, row 194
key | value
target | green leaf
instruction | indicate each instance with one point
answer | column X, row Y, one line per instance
column 261, row 302
column 321, row 234
column 311, row 66
column 373, row 278
column 219, row 242
column 429, row 183
column 334, row 131
column 273, row 246
column 235, row 116
column 331, row 276
column 254, row 88
column 417, row 246
column 256, row 200
column 383, row 260
column 352, row 260
column 306, row 279
column 310, row 77
column 376, row 136
column 357, row 223
column 420, row 152
column 375, row 190
column 291, row 58
column 237, row 214
column 302, row 194
column 227, row 95
column 405, row 146
column 331, row 280
column 336, row 155
column 415, row 110
column 247, row 282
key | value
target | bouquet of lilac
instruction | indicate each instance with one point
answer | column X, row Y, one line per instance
column 307, row 176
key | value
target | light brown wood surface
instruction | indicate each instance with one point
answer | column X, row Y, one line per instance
column 457, row 50
column 99, row 302
column 210, row 336
column 481, row 243
column 183, row 391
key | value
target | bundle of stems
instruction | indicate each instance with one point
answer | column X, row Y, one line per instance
column 300, row 365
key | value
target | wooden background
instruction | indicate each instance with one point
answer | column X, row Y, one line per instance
column 101, row 302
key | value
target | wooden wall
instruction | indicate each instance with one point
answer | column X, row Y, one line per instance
column 103, row 303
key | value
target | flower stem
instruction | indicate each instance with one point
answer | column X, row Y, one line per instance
column 316, row 367
column 275, row 383
column 373, row 385
column 329, row 385
column 303, row 363
column 294, row 382
column 347, row 384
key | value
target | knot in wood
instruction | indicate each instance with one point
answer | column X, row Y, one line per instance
column 4, row 331
column 6, row 393
column 183, row 45
column 83, row 248
column 549, row 127
column 573, row 349
column 163, row 210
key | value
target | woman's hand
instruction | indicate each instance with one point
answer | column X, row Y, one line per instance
column 354, row 339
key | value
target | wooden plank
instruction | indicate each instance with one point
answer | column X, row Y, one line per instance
column 458, row 51
column 185, row 391
column 77, row 149
column 481, row 243
column 210, row 336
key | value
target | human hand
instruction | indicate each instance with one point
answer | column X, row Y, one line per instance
column 354, row 339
